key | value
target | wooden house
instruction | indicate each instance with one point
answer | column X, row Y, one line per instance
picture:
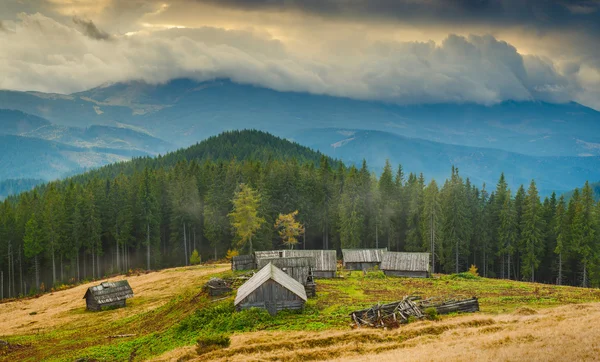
column 299, row 268
column 362, row 259
column 108, row 294
column 271, row 289
column 325, row 261
column 415, row 265
column 243, row 262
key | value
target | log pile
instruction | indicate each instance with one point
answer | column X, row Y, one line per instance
column 387, row 315
column 217, row 287
column 391, row 315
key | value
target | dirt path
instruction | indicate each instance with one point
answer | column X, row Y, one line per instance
column 67, row 307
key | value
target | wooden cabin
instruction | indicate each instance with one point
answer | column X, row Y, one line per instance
column 299, row 268
column 243, row 262
column 325, row 261
column 271, row 289
column 362, row 259
column 413, row 265
column 266, row 254
column 108, row 294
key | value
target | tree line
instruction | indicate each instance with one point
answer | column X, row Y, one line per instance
column 154, row 217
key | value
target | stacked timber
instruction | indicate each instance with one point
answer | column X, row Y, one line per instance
column 387, row 315
column 217, row 287
column 453, row 306
column 393, row 314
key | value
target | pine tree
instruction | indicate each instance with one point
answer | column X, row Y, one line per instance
column 431, row 224
column 562, row 232
column 583, row 232
column 33, row 244
column 507, row 231
column 531, row 233
column 149, row 213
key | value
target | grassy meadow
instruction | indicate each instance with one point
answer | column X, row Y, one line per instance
column 170, row 314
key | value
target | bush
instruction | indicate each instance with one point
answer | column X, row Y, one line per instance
column 431, row 313
column 195, row 258
column 465, row 275
column 473, row 270
column 211, row 342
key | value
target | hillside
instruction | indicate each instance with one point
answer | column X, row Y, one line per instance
column 26, row 157
column 17, row 122
column 514, row 137
column 242, row 145
column 481, row 165
column 164, row 320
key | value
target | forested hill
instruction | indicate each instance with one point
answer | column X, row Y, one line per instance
column 154, row 213
column 240, row 145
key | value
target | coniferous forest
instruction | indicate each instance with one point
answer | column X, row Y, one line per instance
column 152, row 213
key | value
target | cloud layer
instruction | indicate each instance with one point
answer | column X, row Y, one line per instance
column 299, row 49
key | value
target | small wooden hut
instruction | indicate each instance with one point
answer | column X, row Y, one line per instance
column 414, row 265
column 108, row 294
column 325, row 261
column 362, row 259
column 299, row 268
column 271, row 289
column 243, row 262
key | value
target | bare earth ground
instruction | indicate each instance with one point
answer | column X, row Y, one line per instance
column 151, row 290
column 557, row 334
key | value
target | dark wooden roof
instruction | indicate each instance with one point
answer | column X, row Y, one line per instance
column 325, row 260
column 405, row 261
column 363, row 255
column 108, row 292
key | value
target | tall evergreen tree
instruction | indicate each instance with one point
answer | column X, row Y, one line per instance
column 531, row 232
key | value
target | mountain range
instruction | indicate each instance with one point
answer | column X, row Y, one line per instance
column 557, row 144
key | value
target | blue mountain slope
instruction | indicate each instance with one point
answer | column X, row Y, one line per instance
column 26, row 157
column 552, row 173
column 187, row 111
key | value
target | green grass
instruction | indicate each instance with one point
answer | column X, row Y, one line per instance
column 188, row 317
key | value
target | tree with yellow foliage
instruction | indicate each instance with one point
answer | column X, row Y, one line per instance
column 244, row 217
column 289, row 229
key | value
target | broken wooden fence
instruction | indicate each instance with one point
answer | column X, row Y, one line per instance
column 393, row 314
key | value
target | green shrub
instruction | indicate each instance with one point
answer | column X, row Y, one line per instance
column 465, row 275
column 431, row 313
column 211, row 342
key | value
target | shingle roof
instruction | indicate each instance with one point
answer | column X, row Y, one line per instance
column 405, row 261
column 108, row 292
column 325, row 259
column 363, row 255
column 270, row 271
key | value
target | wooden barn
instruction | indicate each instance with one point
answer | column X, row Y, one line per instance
column 362, row 259
column 243, row 262
column 271, row 289
column 108, row 294
column 414, row 265
column 266, row 254
column 325, row 261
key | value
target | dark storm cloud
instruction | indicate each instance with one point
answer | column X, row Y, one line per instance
column 89, row 29
column 539, row 14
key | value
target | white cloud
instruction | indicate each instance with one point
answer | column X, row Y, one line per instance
column 47, row 55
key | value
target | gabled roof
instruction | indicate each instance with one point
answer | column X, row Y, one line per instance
column 363, row 255
column 405, row 261
column 325, row 260
column 270, row 272
column 108, row 292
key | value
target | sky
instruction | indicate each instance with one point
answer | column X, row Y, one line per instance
column 399, row 51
